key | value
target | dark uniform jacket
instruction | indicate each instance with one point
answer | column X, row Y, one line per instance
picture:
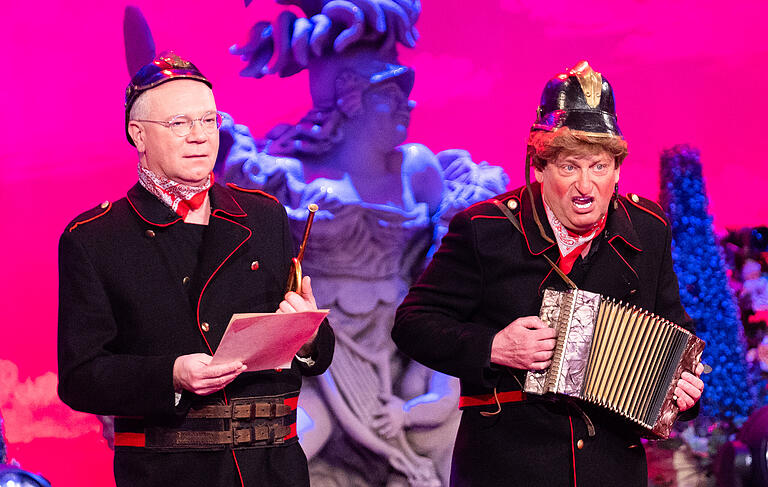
column 487, row 274
column 127, row 311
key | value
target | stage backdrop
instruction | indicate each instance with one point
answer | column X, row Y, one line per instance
column 683, row 71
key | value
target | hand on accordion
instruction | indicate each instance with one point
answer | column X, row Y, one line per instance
column 689, row 389
column 527, row 343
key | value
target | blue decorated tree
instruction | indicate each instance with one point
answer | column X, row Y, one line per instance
column 704, row 288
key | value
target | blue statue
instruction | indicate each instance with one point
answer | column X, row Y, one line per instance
column 383, row 207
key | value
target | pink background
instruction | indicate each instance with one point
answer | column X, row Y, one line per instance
column 683, row 71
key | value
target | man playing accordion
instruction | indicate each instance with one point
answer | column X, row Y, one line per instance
column 474, row 312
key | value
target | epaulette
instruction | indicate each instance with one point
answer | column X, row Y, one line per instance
column 648, row 206
column 513, row 199
column 93, row 214
column 253, row 191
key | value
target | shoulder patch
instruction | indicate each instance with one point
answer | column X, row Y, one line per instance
column 648, row 206
column 93, row 214
column 253, row 191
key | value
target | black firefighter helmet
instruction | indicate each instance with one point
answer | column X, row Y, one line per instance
column 581, row 99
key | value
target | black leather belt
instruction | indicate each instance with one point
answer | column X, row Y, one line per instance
column 249, row 422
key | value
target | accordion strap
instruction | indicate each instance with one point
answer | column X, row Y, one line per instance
column 513, row 220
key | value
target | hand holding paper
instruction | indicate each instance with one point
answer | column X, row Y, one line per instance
column 194, row 373
column 265, row 341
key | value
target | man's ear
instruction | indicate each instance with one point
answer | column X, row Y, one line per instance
column 137, row 133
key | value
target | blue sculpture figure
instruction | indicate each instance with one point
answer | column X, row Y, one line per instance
column 383, row 206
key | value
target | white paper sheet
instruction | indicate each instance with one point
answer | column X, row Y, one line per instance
column 265, row 341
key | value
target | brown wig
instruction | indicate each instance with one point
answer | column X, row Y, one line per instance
column 547, row 146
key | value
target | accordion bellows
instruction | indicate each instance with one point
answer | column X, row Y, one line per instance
column 622, row 358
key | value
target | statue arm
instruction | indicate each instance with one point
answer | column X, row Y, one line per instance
column 422, row 176
column 243, row 161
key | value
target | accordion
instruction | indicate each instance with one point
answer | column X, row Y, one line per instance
column 622, row 358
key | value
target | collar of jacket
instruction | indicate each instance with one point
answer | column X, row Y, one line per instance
column 154, row 211
column 618, row 224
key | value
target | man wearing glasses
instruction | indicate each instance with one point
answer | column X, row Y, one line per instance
column 147, row 287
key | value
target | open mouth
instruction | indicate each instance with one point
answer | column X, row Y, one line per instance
column 583, row 202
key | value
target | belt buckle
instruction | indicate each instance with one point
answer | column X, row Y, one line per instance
column 272, row 413
column 256, row 409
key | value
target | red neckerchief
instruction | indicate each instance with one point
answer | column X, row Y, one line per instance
column 181, row 198
column 571, row 244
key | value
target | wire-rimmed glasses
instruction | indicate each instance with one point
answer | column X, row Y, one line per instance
column 181, row 125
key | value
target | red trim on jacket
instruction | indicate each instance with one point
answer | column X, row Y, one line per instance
column 573, row 452
column 237, row 467
column 525, row 236
column 623, row 207
column 221, row 210
column 623, row 240
column 202, row 291
column 489, row 399
column 638, row 205
column 109, row 207
column 257, row 191
column 293, row 402
column 610, row 242
column 488, row 217
column 151, row 223
column 293, row 433
column 130, row 439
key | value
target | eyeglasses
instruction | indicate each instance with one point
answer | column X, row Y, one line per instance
column 181, row 125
